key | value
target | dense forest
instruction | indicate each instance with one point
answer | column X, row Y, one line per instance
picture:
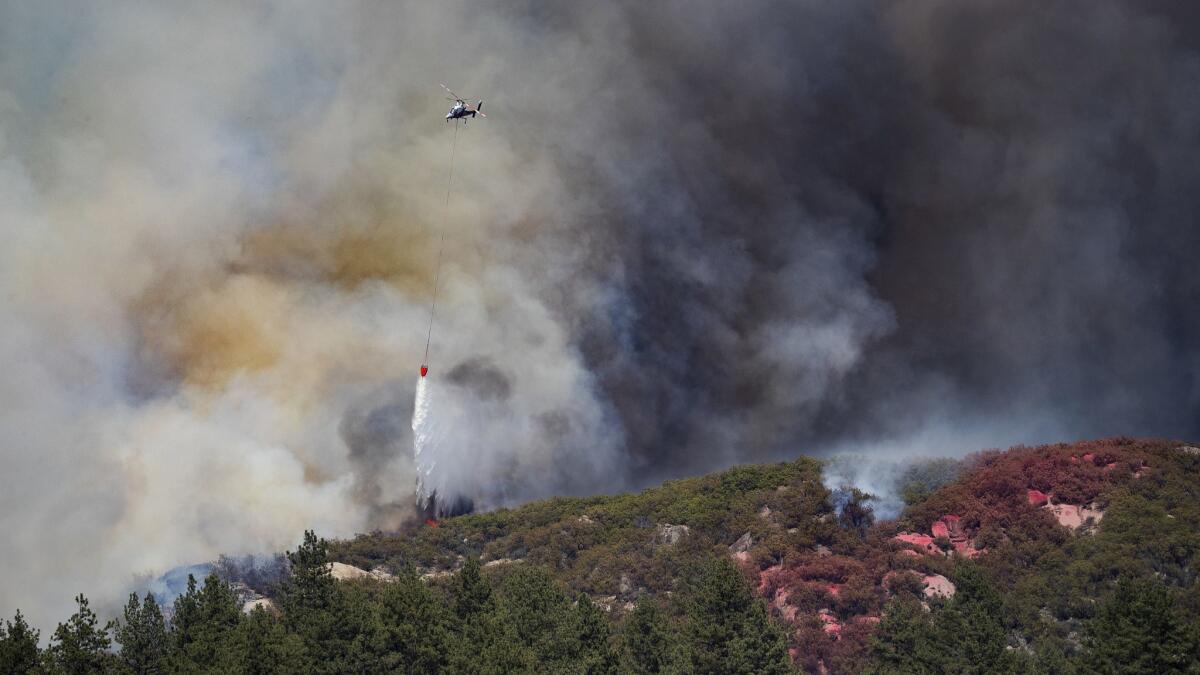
column 1072, row 558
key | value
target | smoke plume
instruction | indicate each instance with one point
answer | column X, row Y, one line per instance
column 686, row 235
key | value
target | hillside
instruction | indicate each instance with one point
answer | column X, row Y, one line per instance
column 1062, row 558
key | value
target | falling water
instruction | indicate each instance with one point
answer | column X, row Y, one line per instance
column 423, row 457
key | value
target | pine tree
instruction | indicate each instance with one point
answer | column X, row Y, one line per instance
column 471, row 594
column 142, row 636
column 414, row 633
column 903, row 644
column 334, row 623
column 970, row 630
column 1137, row 630
column 80, row 645
column 596, row 653
column 205, row 620
column 310, row 588
column 538, row 610
column 184, row 618
column 487, row 642
column 263, row 647
column 19, row 651
column 729, row 630
column 647, row 639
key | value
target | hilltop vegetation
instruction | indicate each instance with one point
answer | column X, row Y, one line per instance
column 1072, row 558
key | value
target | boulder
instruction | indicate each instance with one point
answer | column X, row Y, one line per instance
column 937, row 585
column 344, row 572
column 743, row 544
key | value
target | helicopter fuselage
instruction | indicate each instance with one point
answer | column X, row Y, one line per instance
column 458, row 112
column 462, row 110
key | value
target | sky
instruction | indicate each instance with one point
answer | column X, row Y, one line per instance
column 687, row 235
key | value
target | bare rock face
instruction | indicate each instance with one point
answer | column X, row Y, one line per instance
column 1189, row 449
column 671, row 534
column 743, row 544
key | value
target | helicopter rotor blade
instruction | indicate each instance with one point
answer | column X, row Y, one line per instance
column 448, row 91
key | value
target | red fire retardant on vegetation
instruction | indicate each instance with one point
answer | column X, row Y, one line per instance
column 949, row 527
column 1000, row 492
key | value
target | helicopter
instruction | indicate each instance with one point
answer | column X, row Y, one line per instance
column 461, row 109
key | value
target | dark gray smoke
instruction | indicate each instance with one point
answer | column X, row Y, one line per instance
column 688, row 234
column 826, row 221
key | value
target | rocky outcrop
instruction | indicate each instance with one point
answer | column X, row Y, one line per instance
column 671, row 534
column 248, row 598
column 265, row 603
column 948, row 527
column 830, row 624
column 921, row 541
column 344, row 572
column 1073, row 516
